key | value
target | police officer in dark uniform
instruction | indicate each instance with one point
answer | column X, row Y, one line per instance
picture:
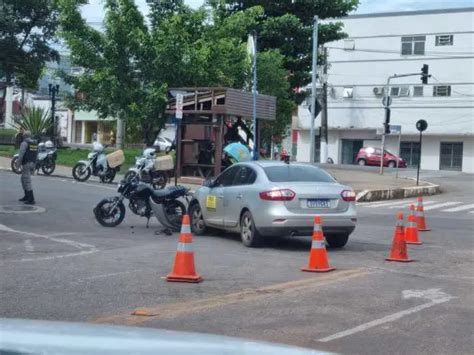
column 27, row 158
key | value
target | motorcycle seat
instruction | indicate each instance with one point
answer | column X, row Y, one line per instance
column 171, row 191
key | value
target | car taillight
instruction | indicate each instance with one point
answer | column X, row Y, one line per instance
column 278, row 195
column 348, row 195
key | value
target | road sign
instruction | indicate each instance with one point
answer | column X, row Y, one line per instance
column 395, row 128
column 387, row 100
column 179, row 106
column 421, row 125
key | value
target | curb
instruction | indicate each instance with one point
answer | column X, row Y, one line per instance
column 398, row 193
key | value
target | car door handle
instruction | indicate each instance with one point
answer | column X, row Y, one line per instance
column 220, row 197
column 239, row 197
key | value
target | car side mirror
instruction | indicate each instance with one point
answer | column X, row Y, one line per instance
column 209, row 182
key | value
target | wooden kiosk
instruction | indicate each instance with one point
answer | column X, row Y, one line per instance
column 212, row 118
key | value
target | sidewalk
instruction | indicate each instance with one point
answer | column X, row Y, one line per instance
column 368, row 185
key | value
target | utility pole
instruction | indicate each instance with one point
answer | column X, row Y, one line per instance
column 254, row 98
column 313, row 88
column 53, row 91
column 324, row 112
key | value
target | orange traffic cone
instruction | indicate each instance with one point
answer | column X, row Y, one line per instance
column 318, row 258
column 183, row 268
column 411, row 231
column 399, row 247
column 420, row 216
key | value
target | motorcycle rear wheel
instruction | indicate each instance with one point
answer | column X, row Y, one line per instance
column 107, row 215
column 175, row 210
column 109, row 176
column 48, row 167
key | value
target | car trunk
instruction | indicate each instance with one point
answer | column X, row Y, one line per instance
column 314, row 198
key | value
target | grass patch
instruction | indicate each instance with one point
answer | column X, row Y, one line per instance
column 70, row 156
column 7, row 150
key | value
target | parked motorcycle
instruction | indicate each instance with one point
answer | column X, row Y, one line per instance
column 145, row 169
column 97, row 164
column 46, row 161
column 144, row 201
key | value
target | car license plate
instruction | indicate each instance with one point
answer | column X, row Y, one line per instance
column 318, row 203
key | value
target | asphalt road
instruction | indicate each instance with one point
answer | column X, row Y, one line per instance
column 59, row 264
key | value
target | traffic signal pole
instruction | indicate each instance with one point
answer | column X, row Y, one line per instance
column 387, row 102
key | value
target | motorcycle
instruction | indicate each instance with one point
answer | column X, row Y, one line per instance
column 96, row 165
column 144, row 201
column 145, row 169
column 46, row 161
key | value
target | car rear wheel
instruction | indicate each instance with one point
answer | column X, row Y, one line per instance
column 337, row 240
column 392, row 164
column 248, row 232
column 361, row 162
column 198, row 226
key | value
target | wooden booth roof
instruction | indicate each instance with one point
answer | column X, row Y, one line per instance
column 219, row 100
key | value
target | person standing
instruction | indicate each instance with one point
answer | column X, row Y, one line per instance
column 27, row 158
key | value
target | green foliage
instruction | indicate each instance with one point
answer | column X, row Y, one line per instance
column 27, row 28
column 5, row 132
column 33, row 119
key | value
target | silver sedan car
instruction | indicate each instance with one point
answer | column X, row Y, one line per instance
column 271, row 199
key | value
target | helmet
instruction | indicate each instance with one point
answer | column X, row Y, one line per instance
column 149, row 153
column 237, row 152
column 49, row 144
column 41, row 147
column 97, row 147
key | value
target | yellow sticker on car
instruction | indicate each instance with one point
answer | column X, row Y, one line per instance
column 211, row 202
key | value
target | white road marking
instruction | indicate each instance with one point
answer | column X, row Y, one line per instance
column 72, row 243
column 28, row 246
column 460, row 208
column 439, row 205
column 385, row 203
column 414, row 203
column 436, row 296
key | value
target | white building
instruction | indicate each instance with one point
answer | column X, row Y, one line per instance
column 383, row 44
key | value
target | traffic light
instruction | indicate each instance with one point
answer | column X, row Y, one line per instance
column 387, row 120
column 424, row 74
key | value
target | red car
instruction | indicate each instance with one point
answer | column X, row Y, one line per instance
column 371, row 156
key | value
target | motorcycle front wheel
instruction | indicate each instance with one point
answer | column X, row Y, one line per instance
column 80, row 172
column 109, row 213
column 175, row 210
column 130, row 175
column 48, row 167
column 15, row 168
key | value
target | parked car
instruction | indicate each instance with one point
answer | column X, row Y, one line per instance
column 371, row 156
column 162, row 144
column 270, row 199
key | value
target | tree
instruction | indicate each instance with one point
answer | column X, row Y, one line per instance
column 27, row 30
column 287, row 26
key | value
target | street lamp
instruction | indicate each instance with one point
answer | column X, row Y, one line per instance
column 53, row 91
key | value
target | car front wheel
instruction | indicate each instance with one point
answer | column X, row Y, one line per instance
column 248, row 232
column 337, row 240
column 198, row 226
column 392, row 164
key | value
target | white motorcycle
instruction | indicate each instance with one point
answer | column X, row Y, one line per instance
column 46, row 160
column 96, row 165
column 145, row 170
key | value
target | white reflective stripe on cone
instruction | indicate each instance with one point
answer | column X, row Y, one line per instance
column 317, row 228
column 317, row 244
column 187, row 247
column 186, row 228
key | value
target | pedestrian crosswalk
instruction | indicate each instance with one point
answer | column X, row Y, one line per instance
column 436, row 205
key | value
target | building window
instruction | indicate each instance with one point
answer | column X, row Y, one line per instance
column 444, row 40
column 349, row 45
column 399, row 91
column 348, row 93
column 442, row 90
column 418, row 91
column 413, row 45
column 410, row 152
column 451, row 156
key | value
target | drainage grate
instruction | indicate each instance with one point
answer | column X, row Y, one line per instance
column 20, row 209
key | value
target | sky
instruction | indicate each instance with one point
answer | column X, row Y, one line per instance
column 94, row 11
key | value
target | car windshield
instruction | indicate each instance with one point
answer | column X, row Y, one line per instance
column 287, row 173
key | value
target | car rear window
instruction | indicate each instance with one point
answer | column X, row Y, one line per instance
column 287, row 173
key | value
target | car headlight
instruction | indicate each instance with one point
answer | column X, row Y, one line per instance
column 90, row 155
